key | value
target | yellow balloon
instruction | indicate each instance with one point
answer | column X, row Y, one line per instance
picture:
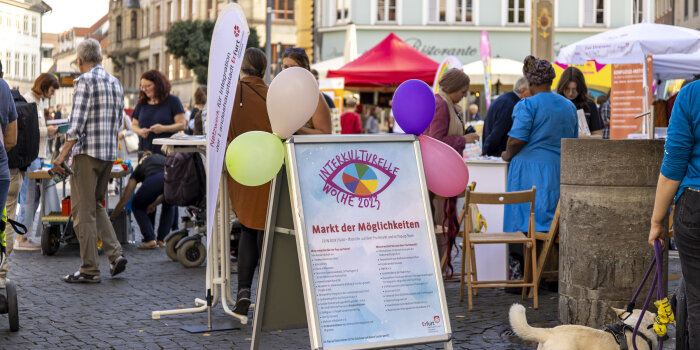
column 254, row 158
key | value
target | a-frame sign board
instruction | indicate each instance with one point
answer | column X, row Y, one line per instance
column 349, row 249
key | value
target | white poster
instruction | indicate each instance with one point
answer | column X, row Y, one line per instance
column 374, row 270
column 228, row 45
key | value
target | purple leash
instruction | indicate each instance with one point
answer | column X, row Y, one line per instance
column 656, row 283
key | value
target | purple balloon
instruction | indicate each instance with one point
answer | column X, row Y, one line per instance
column 413, row 106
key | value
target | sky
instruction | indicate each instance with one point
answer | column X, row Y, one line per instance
column 67, row 14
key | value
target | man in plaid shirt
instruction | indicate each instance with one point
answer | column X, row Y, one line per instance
column 95, row 121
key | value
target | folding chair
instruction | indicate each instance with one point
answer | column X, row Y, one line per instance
column 471, row 239
column 548, row 254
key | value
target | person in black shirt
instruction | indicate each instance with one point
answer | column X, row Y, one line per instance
column 572, row 85
column 150, row 173
column 499, row 119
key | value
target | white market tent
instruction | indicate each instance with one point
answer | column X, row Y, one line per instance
column 676, row 66
column 671, row 45
column 503, row 70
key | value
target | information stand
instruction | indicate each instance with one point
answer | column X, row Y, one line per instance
column 349, row 248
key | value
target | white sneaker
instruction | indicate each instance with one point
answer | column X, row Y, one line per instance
column 26, row 245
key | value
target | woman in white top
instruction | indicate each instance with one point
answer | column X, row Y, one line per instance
column 41, row 92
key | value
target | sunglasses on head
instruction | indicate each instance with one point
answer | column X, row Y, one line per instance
column 294, row 49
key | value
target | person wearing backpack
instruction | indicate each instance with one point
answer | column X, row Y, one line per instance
column 8, row 139
column 44, row 87
column 150, row 174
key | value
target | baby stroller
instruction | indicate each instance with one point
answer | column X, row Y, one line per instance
column 185, row 186
column 8, row 301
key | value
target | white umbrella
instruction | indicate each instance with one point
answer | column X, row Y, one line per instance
column 503, row 70
column 676, row 66
column 631, row 44
column 331, row 64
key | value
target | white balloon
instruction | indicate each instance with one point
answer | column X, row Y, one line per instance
column 291, row 100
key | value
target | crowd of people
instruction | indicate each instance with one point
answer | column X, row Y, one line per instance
column 524, row 127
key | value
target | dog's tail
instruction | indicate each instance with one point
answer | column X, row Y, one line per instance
column 520, row 326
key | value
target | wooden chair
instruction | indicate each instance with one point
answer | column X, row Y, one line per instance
column 470, row 239
column 549, row 251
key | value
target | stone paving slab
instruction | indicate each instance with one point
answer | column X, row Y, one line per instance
column 116, row 314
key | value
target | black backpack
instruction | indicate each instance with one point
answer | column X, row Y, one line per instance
column 27, row 148
column 185, row 179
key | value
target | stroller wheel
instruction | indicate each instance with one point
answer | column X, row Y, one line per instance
column 12, row 310
column 192, row 253
column 50, row 240
column 171, row 242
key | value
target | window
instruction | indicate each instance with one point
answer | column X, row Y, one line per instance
column 25, row 25
column 594, row 12
column 169, row 67
column 34, row 31
column 9, row 20
column 134, row 24
column 0, row 17
column 119, row 29
column 463, row 11
column 283, row 9
column 8, row 63
column 34, row 71
column 386, row 10
column 25, row 63
column 437, row 11
column 695, row 7
column 516, row 12
column 171, row 14
column 145, row 28
column 685, row 9
column 18, row 24
column 450, row 11
column 16, row 65
column 157, row 19
column 342, row 11
column 193, row 9
column 638, row 11
column 183, row 9
column 156, row 61
column 46, row 53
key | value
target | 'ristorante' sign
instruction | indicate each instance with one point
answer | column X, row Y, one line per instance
column 434, row 50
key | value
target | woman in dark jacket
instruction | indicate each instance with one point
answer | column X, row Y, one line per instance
column 572, row 85
column 249, row 203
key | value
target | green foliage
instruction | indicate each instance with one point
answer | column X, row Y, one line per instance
column 190, row 41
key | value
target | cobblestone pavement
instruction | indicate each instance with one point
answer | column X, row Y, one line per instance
column 117, row 312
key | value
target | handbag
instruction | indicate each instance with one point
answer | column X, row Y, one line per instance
column 132, row 142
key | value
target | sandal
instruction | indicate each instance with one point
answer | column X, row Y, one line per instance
column 148, row 245
column 161, row 244
column 79, row 277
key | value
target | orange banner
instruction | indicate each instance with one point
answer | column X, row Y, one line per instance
column 627, row 98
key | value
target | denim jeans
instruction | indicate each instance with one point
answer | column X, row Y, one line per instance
column 35, row 165
column 686, row 228
column 150, row 189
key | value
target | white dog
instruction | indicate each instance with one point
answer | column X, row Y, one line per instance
column 573, row 337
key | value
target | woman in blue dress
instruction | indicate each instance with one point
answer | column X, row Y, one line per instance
column 534, row 147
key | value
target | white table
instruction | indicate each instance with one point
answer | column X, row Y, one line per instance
column 218, row 272
column 490, row 176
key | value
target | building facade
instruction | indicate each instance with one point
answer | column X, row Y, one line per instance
column 20, row 47
column 65, row 56
column 137, row 37
column 49, row 44
column 440, row 28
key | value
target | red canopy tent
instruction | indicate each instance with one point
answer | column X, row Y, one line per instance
column 388, row 64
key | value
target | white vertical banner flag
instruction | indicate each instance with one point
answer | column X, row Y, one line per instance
column 228, row 43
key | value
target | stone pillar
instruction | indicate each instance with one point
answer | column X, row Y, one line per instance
column 607, row 198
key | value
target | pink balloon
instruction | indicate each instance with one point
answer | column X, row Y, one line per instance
column 445, row 170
